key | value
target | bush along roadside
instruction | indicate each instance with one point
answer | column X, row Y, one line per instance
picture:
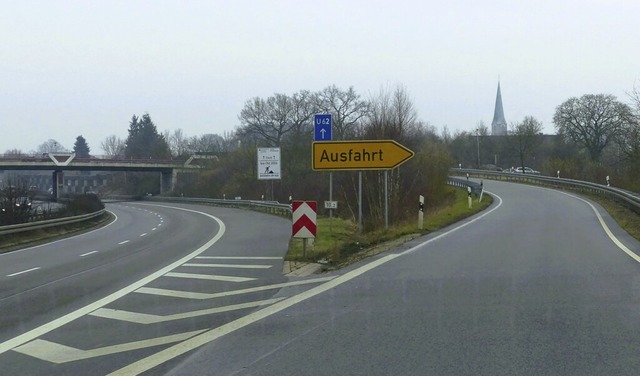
column 338, row 242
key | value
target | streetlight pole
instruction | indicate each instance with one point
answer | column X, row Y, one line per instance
column 478, row 144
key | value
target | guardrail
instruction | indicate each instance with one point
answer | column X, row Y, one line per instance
column 476, row 188
column 628, row 199
column 271, row 207
column 14, row 229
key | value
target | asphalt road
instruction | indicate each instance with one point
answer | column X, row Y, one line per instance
column 534, row 287
column 538, row 284
column 97, row 302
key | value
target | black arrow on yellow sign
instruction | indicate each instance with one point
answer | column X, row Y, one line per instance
column 359, row 155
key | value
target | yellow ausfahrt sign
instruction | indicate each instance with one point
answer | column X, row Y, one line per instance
column 359, row 155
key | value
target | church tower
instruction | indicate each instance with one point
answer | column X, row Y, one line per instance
column 498, row 125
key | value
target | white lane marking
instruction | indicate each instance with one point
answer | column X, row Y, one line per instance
column 62, row 240
column 144, row 318
column 238, row 258
column 174, row 351
column 55, row 353
column 606, row 229
column 232, row 266
column 124, row 242
column 145, row 234
column 159, row 224
column 22, row 272
column 88, row 253
column 46, row 328
column 411, row 250
column 198, row 295
column 153, row 229
column 209, row 277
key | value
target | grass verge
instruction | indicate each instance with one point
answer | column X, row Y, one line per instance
column 32, row 238
column 627, row 219
column 338, row 242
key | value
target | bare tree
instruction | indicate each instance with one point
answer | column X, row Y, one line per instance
column 346, row 108
column 51, row 146
column 592, row 121
column 524, row 138
column 178, row 142
column 113, row 146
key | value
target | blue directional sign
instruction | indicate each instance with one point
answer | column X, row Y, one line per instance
column 322, row 127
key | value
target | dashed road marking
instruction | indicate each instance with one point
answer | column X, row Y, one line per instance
column 124, row 242
column 88, row 253
column 23, row 272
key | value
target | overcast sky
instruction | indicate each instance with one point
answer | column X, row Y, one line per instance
column 70, row 68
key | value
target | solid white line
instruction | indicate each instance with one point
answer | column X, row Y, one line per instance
column 199, row 295
column 124, row 242
column 55, row 353
column 88, row 253
column 22, row 272
column 174, row 351
column 145, row 319
column 238, row 258
column 606, row 229
column 46, row 328
column 223, row 278
column 411, row 250
column 232, row 266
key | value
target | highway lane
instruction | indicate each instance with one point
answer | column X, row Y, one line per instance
column 66, row 274
column 536, row 286
column 207, row 266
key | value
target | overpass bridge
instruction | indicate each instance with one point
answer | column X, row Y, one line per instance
column 58, row 163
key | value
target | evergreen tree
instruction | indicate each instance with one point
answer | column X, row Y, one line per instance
column 81, row 148
column 144, row 141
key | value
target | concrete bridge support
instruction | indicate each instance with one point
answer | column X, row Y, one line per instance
column 168, row 181
column 57, row 184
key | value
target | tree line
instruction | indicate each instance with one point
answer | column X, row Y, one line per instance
column 597, row 136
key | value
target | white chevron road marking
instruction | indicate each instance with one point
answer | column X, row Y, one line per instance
column 143, row 318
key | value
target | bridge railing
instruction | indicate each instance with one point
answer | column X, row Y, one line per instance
column 628, row 199
column 271, row 207
column 14, row 229
column 44, row 157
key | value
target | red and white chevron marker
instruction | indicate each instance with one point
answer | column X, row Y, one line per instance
column 304, row 219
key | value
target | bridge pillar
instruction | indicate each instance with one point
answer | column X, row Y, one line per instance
column 57, row 184
column 168, row 181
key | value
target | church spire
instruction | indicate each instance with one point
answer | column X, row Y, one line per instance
column 498, row 125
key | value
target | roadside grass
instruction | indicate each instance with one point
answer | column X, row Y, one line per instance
column 626, row 218
column 36, row 237
column 344, row 245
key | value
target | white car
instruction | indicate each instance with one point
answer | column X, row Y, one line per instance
column 527, row 170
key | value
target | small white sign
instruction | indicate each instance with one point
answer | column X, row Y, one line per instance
column 268, row 163
column 331, row 204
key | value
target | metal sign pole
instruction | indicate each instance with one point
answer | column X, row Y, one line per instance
column 330, row 199
column 386, row 200
column 359, row 201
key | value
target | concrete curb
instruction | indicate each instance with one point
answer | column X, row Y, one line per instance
column 300, row 269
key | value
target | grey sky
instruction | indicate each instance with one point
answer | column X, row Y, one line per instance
column 84, row 67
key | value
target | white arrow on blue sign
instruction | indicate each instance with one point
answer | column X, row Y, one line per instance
column 322, row 127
